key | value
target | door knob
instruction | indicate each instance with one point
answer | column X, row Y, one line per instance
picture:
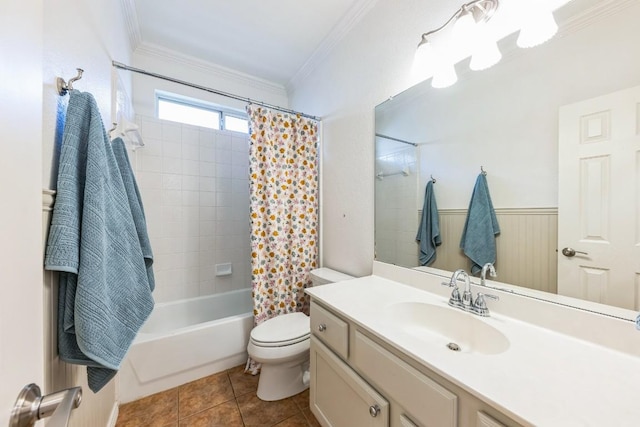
column 569, row 252
column 31, row 406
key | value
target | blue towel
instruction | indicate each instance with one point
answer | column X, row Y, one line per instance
column 478, row 237
column 429, row 231
column 638, row 322
column 94, row 242
column 135, row 203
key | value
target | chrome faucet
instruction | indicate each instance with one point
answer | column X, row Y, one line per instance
column 483, row 274
column 466, row 302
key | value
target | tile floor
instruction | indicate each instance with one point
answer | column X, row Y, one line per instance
column 226, row 399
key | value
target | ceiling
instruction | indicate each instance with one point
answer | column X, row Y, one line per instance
column 271, row 40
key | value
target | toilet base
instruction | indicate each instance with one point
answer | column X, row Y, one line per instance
column 282, row 380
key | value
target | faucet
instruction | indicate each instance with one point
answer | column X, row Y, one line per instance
column 456, row 300
column 483, row 274
column 466, row 302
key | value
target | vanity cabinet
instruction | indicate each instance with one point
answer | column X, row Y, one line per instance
column 359, row 380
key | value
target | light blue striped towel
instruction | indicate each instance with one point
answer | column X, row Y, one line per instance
column 95, row 244
column 478, row 240
column 428, row 236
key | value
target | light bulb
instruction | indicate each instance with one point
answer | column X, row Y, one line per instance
column 423, row 60
column 485, row 51
column 539, row 26
column 444, row 75
column 464, row 27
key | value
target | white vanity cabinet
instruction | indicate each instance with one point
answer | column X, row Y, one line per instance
column 360, row 380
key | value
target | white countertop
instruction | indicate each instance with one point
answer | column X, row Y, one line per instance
column 544, row 378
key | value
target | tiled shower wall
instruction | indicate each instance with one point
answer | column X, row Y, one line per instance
column 396, row 221
column 195, row 190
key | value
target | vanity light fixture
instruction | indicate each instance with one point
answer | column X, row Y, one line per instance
column 470, row 31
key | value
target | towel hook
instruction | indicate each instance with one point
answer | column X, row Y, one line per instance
column 482, row 171
column 433, row 179
column 64, row 87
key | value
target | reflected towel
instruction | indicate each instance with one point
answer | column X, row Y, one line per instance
column 478, row 237
column 428, row 236
column 638, row 322
column 104, row 288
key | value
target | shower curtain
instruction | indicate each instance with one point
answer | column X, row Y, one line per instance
column 283, row 188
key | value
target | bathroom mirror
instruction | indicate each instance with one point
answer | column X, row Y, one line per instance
column 505, row 120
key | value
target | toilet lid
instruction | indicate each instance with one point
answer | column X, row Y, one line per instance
column 282, row 330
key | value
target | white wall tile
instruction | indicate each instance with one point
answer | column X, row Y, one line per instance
column 207, row 154
column 171, row 132
column 223, row 170
column 190, row 198
column 207, row 198
column 171, row 198
column 224, row 184
column 223, row 141
column 149, row 180
column 190, row 167
column 207, row 137
column 208, row 184
column 207, row 169
column 190, row 135
column 150, row 128
column 171, row 181
column 190, row 151
column 223, row 199
column 150, row 163
column 190, row 182
column 171, row 165
column 172, row 149
column 223, row 156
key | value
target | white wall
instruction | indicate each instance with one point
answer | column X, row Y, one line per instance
column 372, row 63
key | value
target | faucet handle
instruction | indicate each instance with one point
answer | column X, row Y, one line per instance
column 480, row 305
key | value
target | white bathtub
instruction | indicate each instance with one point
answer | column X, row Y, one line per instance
column 186, row 340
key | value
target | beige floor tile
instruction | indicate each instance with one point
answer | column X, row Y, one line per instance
column 297, row 420
column 224, row 415
column 256, row 412
column 302, row 399
column 243, row 383
column 157, row 410
column 313, row 421
column 204, row 393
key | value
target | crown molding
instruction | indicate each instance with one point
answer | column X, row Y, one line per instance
column 131, row 21
column 154, row 51
column 353, row 16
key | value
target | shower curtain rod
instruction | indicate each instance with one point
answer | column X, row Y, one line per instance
column 210, row 90
column 379, row 135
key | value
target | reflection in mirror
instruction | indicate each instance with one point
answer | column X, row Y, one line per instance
column 506, row 119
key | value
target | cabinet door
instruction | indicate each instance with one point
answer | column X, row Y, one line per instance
column 339, row 397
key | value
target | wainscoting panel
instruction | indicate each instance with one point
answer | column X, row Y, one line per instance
column 526, row 246
column 96, row 409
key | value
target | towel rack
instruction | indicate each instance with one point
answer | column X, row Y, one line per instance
column 64, row 87
column 482, row 171
column 433, row 179
column 404, row 172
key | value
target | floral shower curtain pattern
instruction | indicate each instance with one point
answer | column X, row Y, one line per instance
column 284, row 210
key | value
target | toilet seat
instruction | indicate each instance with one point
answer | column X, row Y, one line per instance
column 281, row 331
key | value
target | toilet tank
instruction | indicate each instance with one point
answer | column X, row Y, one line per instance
column 321, row 276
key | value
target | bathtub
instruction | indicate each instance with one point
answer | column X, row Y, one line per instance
column 186, row 340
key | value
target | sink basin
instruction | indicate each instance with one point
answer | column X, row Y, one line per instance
column 447, row 327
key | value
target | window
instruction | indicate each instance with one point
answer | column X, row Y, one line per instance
column 197, row 113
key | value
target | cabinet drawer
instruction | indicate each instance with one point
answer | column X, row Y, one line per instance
column 424, row 400
column 339, row 397
column 332, row 330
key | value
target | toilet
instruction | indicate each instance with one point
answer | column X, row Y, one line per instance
column 281, row 345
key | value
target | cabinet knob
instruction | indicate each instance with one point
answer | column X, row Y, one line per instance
column 374, row 410
column 322, row 327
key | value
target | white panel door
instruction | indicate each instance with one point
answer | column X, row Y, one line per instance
column 599, row 203
column 21, row 292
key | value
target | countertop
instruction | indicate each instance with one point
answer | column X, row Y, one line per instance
column 543, row 378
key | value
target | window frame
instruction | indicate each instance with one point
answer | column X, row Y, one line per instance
column 222, row 111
